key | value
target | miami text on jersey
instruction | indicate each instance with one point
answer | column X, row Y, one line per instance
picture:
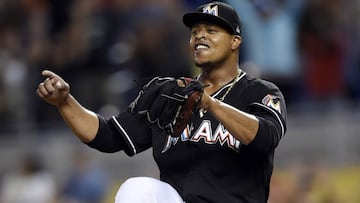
column 205, row 134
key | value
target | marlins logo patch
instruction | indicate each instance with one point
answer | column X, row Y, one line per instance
column 212, row 9
column 272, row 101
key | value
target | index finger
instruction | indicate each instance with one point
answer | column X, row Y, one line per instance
column 55, row 79
column 48, row 73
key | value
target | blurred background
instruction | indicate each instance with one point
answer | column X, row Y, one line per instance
column 309, row 48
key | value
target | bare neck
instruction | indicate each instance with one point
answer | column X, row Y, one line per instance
column 216, row 77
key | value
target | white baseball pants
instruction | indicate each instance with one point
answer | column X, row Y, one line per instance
column 146, row 190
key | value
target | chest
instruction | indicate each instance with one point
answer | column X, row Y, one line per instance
column 204, row 138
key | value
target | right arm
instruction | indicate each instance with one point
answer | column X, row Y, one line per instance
column 83, row 122
column 121, row 132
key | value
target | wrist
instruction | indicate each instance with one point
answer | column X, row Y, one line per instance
column 65, row 101
column 206, row 102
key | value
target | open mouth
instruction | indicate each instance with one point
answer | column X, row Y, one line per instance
column 199, row 47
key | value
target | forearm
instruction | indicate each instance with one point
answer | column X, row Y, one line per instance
column 240, row 124
column 83, row 122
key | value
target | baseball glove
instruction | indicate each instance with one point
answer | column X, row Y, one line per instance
column 167, row 103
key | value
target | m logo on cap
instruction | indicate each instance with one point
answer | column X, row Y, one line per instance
column 211, row 9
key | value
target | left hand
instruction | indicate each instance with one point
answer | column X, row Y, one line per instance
column 168, row 103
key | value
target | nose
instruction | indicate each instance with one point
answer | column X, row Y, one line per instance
column 200, row 34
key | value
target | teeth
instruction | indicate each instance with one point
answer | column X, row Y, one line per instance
column 200, row 46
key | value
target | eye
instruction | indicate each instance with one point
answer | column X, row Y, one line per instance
column 211, row 30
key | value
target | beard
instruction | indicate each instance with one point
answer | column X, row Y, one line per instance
column 203, row 64
column 209, row 64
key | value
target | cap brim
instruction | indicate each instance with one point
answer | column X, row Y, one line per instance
column 190, row 19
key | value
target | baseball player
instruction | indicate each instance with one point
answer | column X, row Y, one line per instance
column 225, row 150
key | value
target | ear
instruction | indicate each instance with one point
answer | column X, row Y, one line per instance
column 236, row 41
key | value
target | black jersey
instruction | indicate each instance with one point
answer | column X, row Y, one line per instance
column 207, row 164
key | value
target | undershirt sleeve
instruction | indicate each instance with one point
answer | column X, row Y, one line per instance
column 268, row 135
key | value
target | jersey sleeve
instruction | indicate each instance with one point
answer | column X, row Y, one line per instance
column 267, row 103
column 122, row 132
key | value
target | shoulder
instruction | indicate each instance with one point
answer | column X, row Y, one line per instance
column 257, row 85
column 262, row 93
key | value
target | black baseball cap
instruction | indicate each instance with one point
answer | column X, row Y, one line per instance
column 218, row 13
